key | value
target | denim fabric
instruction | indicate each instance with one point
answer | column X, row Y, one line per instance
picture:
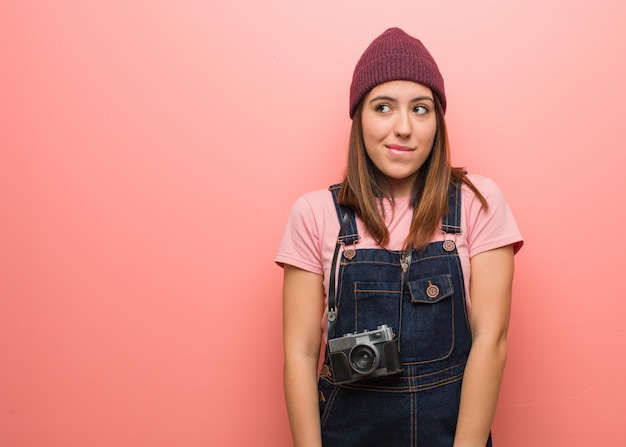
column 418, row 407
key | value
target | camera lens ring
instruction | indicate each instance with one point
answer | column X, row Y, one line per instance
column 364, row 358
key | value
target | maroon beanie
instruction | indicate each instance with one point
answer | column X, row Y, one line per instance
column 394, row 56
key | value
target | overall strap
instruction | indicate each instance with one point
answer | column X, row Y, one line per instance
column 351, row 234
column 452, row 221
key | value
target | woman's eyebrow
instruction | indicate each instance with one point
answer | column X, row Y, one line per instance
column 389, row 98
column 423, row 98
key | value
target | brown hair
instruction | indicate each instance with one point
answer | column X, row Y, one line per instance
column 364, row 187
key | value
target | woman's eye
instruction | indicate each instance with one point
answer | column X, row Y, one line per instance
column 421, row 110
column 383, row 108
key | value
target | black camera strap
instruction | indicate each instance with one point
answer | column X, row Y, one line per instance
column 332, row 307
column 405, row 264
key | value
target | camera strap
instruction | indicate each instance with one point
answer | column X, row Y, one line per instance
column 405, row 264
column 332, row 308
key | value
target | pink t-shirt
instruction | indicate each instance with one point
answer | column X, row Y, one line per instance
column 311, row 232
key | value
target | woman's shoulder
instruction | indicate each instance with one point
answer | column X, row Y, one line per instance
column 309, row 231
column 315, row 201
column 482, row 182
column 321, row 196
column 492, row 226
column 314, row 209
column 487, row 187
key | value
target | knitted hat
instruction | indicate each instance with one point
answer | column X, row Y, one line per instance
column 393, row 56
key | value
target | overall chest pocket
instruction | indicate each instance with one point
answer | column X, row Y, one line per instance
column 428, row 315
column 428, row 328
column 376, row 303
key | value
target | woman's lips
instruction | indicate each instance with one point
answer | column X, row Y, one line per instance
column 399, row 148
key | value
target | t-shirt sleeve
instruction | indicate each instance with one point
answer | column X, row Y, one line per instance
column 494, row 226
column 301, row 244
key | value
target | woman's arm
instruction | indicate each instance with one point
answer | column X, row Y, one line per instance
column 303, row 307
column 490, row 291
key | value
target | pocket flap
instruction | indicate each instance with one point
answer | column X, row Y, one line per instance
column 432, row 289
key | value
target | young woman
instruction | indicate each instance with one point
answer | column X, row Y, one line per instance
column 414, row 337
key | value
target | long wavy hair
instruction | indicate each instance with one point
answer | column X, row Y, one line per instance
column 364, row 187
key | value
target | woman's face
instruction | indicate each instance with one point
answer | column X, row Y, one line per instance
column 399, row 127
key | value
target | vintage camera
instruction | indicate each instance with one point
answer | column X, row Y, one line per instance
column 366, row 354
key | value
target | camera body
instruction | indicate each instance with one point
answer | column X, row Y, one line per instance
column 363, row 355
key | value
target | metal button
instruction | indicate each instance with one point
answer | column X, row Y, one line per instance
column 449, row 245
column 325, row 372
column 432, row 290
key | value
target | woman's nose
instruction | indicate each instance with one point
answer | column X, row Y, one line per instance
column 402, row 125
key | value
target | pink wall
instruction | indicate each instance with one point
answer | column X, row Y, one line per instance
column 150, row 152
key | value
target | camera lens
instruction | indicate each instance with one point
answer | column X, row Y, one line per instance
column 364, row 359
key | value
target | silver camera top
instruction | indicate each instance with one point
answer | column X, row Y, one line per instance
column 381, row 334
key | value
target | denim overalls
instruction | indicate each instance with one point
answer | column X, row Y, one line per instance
column 418, row 407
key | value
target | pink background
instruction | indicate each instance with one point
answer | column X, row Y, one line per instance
column 151, row 150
